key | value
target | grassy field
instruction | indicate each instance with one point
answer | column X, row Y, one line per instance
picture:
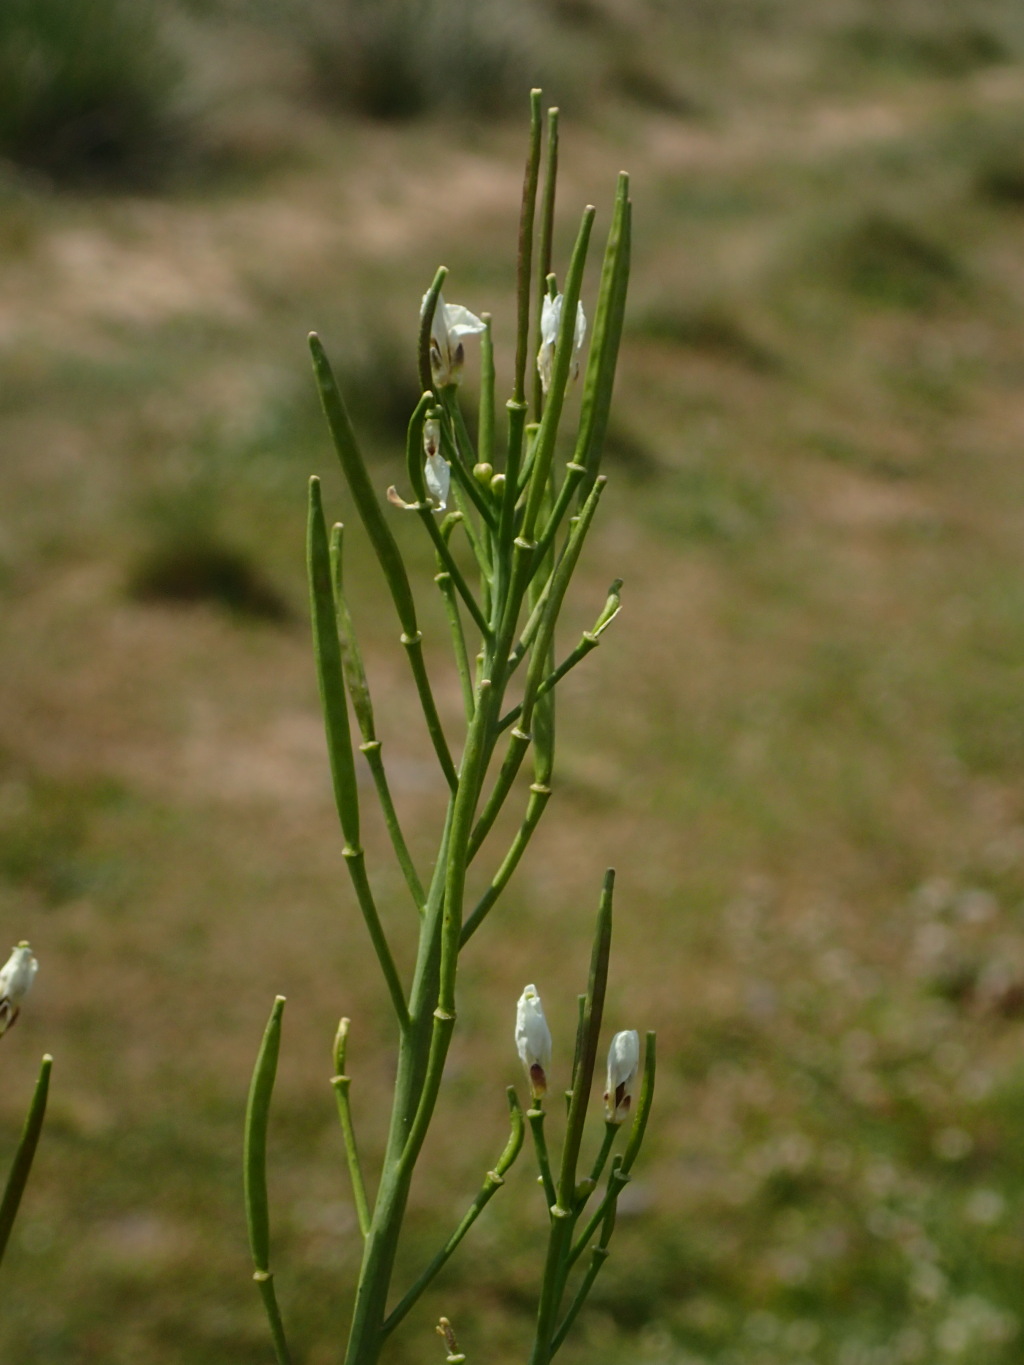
column 802, row 744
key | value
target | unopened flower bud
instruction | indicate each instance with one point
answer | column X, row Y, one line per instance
column 533, row 1040
column 623, row 1064
column 16, row 977
column 483, row 473
column 497, row 483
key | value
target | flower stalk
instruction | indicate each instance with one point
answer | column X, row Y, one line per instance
column 523, row 541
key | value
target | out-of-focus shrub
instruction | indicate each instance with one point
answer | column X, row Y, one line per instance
column 200, row 568
column 88, row 90
column 399, row 59
column 890, row 261
column 938, row 50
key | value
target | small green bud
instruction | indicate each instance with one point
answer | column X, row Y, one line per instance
column 497, row 483
column 340, row 1041
column 483, row 473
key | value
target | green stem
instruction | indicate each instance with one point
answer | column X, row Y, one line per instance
column 564, row 346
column 617, row 1181
column 388, row 555
column 24, row 1155
column 643, row 1108
column 254, row 1164
column 465, row 672
column 598, row 1256
column 371, row 749
column 547, row 232
column 604, row 346
column 365, row 1339
column 581, row 1011
column 562, row 1212
column 342, row 1085
column 414, row 649
column 453, row 570
column 554, row 596
column 539, row 797
column 485, row 425
column 509, row 498
column 536, row 1117
column 493, row 1182
column 355, row 861
column 359, row 695
column 573, row 474
column 526, row 219
column 426, row 323
column 622, row 1166
column 607, row 1142
column 330, row 680
column 559, row 1235
column 461, row 466
column 592, row 1013
column 358, row 479
column 518, row 743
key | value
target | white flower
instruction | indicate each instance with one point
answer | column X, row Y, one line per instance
column 623, row 1064
column 16, row 977
column 436, row 472
column 451, row 322
column 550, row 321
column 533, row 1039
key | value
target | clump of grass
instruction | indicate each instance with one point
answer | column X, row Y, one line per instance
column 88, row 90
column 1001, row 181
column 707, row 327
column 887, row 260
column 201, row 568
column 46, row 832
column 634, row 75
column 951, row 51
column 710, row 501
column 402, row 59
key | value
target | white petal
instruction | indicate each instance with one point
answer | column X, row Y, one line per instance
column 16, row 977
column 581, row 328
column 460, row 321
column 533, row 1037
column 396, row 500
column 550, row 317
column 623, row 1063
column 438, row 477
column 623, row 1057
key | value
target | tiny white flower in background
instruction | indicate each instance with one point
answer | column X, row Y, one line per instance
column 16, row 977
column 550, row 321
column 451, row 322
column 436, row 472
column 623, row 1064
column 533, row 1039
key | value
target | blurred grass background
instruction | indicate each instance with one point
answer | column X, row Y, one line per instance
column 803, row 745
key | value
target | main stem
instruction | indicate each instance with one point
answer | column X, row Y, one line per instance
column 365, row 1337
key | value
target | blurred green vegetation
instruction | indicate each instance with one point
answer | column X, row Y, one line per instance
column 802, row 745
column 88, row 90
